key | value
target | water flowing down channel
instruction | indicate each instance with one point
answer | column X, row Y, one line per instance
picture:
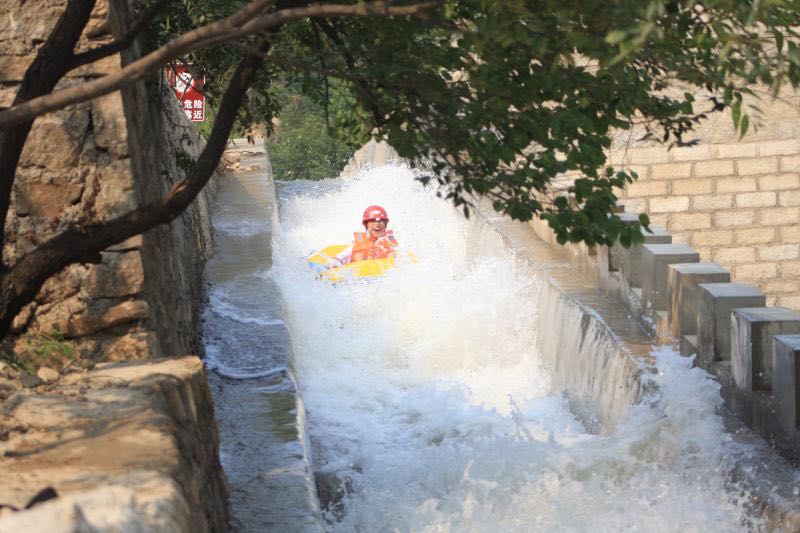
column 428, row 407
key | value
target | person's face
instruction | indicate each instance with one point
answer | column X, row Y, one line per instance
column 376, row 229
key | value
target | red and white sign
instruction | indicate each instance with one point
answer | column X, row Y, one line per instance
column 187, row 90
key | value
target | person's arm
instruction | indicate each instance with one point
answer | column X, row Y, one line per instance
column 342, row 258
column 389, row 244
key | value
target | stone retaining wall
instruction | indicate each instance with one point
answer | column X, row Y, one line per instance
column 127, row 447
column 80, row 165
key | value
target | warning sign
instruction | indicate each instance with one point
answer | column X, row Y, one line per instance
column 187, row 89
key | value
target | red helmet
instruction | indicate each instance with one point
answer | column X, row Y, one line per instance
column 376, row 213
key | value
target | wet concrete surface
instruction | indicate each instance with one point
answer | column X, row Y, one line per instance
column 257, row 407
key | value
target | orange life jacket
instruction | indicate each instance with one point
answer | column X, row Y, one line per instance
column 365, row 248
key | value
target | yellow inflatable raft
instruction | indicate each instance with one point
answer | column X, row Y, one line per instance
column 369, row 268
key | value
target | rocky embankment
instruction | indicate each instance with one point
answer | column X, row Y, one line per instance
column 91, row 411
column 126, row 447
column 111, row 446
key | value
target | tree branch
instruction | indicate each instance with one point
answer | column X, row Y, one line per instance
column 363, row 86
column 406, row 83
column 40, row 78
column 90, row 56
column 321, row 56
column 242, row 24
column 20, row 284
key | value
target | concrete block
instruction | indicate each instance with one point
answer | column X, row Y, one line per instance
column 756, row 271
column 779, row 252
column 790, row 268
column 789, row 198
column 716, row 302
column 779, row 216
column 763, row 410
column 670, row 204
column 607, row 271
column 712, row 238
column 736, row 150
column 779, row 182
column 786, row 381
column 659, row 321
column 693, row 186
column 640, row 189
column 756, row 199
column 785, row 147
column 783, row 287
column 715, row 167
column 761, row 165
column 608, row 262
column 646, row 156
column 753, row 329
column 632, row 299
column 614, row 250
column 712, row 202
column 672, row 170
column 687, row 345
column 737, row 254
column 790, row 164
column 700, row 152
column 630, row 259
column 655, row 260
column 790, row 234
column 727, row 185
column 689, row 221
column 739, row 217
column 755, row 235
column 682, row 282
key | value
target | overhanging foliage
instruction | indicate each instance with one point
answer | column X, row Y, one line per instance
column 502, row 96
column 497, row 97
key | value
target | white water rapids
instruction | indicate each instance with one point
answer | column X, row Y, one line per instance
column 427, row 401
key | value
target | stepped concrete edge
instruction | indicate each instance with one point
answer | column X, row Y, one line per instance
column 268, row 458
column 769, row 477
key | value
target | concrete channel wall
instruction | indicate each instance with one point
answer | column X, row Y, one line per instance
column 673, row 298
column 599, row 339
column 260, row 416
column 589, row 335
column 692, row 304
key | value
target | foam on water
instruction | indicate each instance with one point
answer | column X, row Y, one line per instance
column 221, row 306
column 427, row 401
column 230, row 220
column 243, row 337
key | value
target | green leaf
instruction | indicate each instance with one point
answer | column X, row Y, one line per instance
column 727, row 97
column 744, row 125
column 778, row 40
column 736, row 112
column 616, row 36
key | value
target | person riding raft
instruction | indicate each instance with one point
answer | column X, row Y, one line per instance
column 375, row 243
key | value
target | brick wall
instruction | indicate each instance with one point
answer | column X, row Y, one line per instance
column 736, row 202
